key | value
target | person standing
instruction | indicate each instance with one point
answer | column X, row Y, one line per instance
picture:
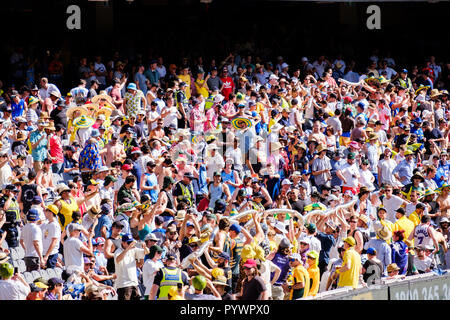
column 74, row 248
column 12, row 286
column 166, row 278
column 151, row 266
column 51, row 234
column 350, row 270
column 31, row 241
column 253, row 287
column 126, row 259
column 39, row 143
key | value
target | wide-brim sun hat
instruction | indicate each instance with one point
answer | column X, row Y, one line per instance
column 105, row 111
column 71, row 111
column 83, row 122
column 241, row 123
column 99, row 97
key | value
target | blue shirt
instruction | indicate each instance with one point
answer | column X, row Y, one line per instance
column 327, row 241
column 405, row 169
column 39, row 153
column 384, row 252
column 103, row 221
column 150, row 181
column 281, row 262
column 17, row 109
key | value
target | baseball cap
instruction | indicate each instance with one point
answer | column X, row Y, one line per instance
column 74, row 227
column 371, row 251
column 250, row 263
column 171, row 256
column 126, row 167
column 33, row 215
column 286, row 182
column 151, row 237
column 128, row 238
column 237, row 228
column 55, row 281
column 351, row 155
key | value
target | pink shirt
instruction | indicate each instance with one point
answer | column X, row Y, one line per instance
column 56, row 150
column 211, row 120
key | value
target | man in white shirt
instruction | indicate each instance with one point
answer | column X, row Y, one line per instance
column 74, row 248
column 47, row 88
column 151, row 266
column 389, row 71
column 12, row 286
column 31, row 241
column 349, row 174
column 126, row 259
column 51, row 234
column 391, row 203
column 214, row 163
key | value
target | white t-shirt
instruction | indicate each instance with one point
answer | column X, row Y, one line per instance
column 148, row 273
column 100, row 67
column 13, row 290
column 387, row 166
column 50, row 230
column 170, row 118
column 31, row 232
column 365, row 178
column 214, row 164
column 350, row 173
column 267, row 267
column 391, row 206
column 73, row 256
column 5, row 175
column 126, row 268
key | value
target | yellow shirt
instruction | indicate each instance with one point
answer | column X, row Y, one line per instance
column 405, row 224
column 187, row 79
column 351, row 276
column 414, row 217
column 314, row 274
column 200, row 88
column 301, row 275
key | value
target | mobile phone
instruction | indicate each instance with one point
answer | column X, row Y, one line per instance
column 16, row 270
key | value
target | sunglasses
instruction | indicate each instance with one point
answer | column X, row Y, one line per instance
column 193, row 245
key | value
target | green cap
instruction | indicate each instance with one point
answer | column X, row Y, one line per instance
column 6, row 270
column 199, row 282
column 351, row 155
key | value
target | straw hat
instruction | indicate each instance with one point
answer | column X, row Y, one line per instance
column 384, row 233
column 91, row 107
column 83, row 122
column 364, row 219
column 105, row 111
column 44, row 115
column 180, row 215
column 276, row 146
column 373, row 136
column 435, row 93
column 321, row 148
column 392, row 267
column 101, row 96
column 81, row 110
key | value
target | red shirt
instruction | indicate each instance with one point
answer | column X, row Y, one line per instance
column 56, row 150
column 228, row 86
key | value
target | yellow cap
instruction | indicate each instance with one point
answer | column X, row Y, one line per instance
column 52, row 208
column 350, row 240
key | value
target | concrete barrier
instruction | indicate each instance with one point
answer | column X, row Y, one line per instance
column 421, row 287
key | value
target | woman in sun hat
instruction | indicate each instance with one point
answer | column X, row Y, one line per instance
column 83, row 125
